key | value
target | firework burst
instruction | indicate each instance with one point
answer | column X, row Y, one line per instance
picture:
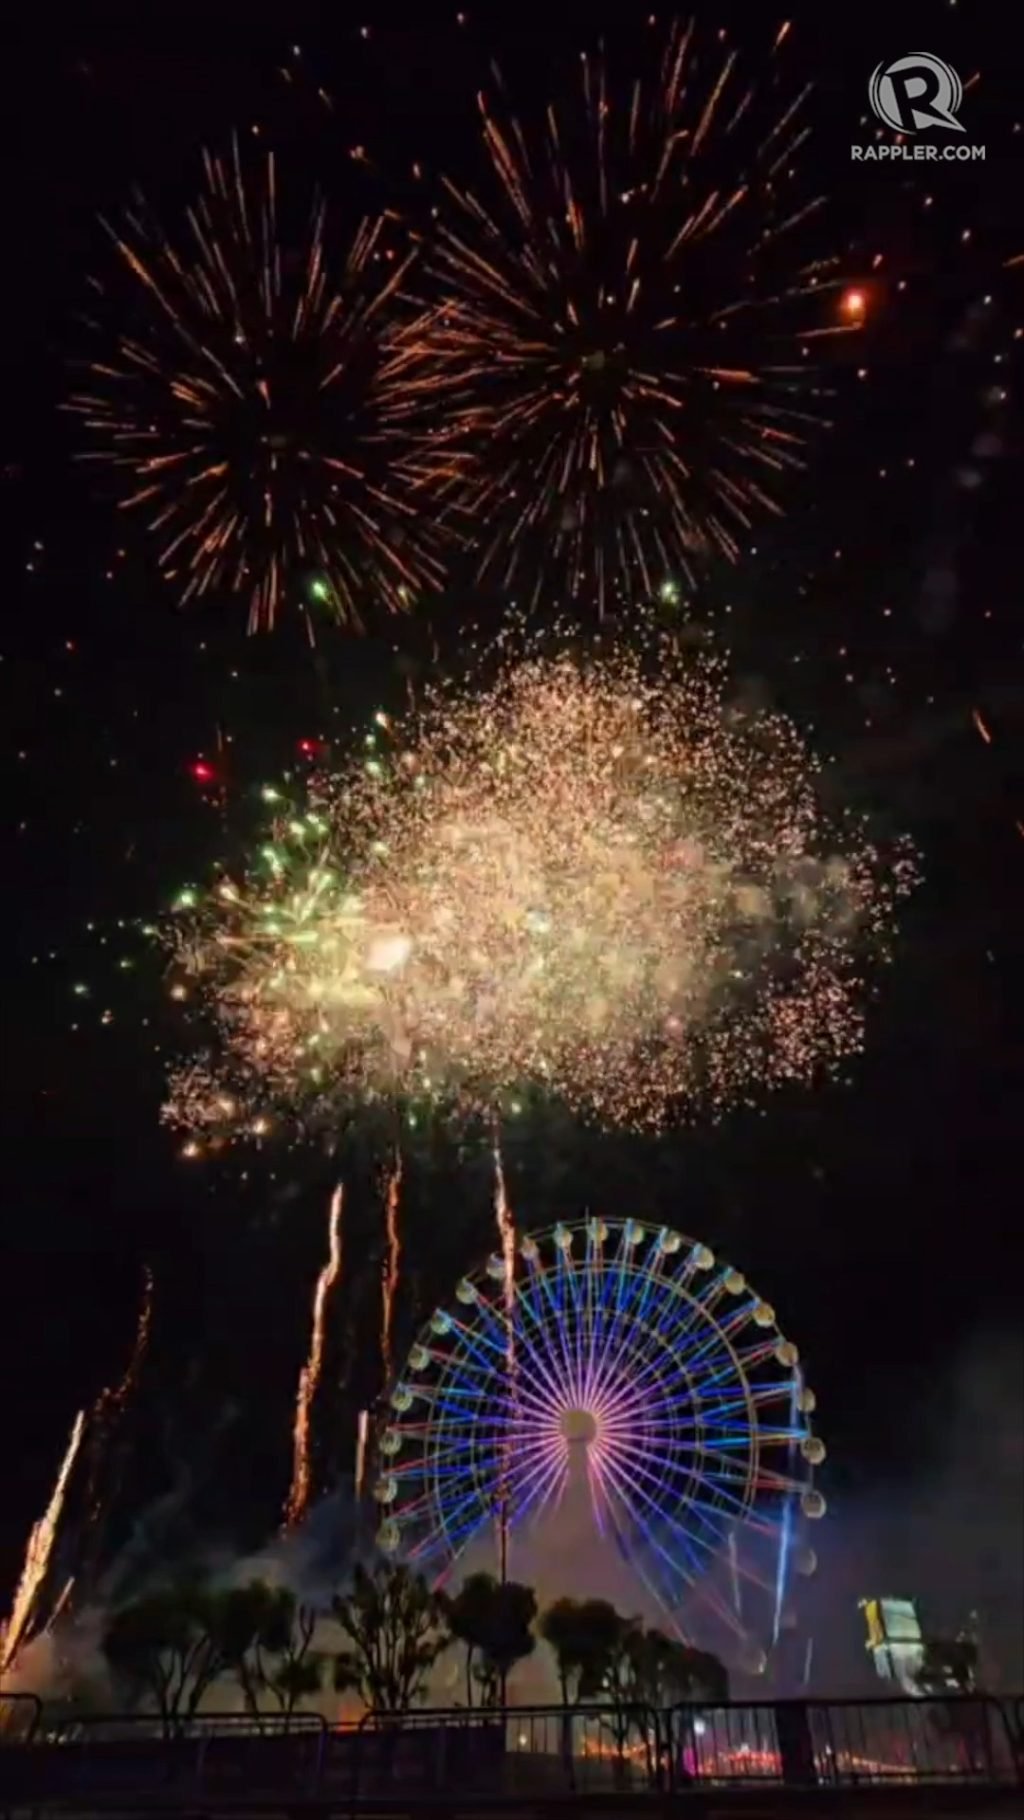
column 623, row 382
column 254, row 407
column 595, row 879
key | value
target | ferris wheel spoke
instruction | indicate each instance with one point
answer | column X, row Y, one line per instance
column 626, row 1291
column 678, row 1456
column 535, row 1333
column 545, row 1482
column 530, row 1331
column 538, row 1476
column 492, row 1353
column 676, row 1373
column 781, row 1392
column 500, row 1404
column 595, row 1276
column 630, row 1496
column 538, row 1273
column 569, row 1277
column 782, row 1483
column 740, row 1317
column 718, row 1344
column 535, row 1468
column 644, row 1475
column 664, row 1595
column 585, row 1323
column 658, row 1336
column 670, row 1368
column 650, row 1285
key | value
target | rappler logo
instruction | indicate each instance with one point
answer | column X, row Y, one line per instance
column 915, row 94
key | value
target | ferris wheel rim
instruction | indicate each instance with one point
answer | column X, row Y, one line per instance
column 441, row 1527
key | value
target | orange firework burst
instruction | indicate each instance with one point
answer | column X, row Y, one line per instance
column 618, row 357
column 255, row 409
column 606, row 883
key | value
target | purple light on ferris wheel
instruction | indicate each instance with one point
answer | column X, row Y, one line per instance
column 628, row 1354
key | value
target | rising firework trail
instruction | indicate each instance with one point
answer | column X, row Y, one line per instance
column 105, row 1421
column 504, row 1220
column 111, row 1404
column 39, row 1556
column 362, row 1449
column 506, row 1225
column 392, row 1261
column 301, row 1488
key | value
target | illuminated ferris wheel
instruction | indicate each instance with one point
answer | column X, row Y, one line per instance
column 628, row 1355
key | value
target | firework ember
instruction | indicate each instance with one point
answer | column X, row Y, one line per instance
column 600, row 880
column 254, row 408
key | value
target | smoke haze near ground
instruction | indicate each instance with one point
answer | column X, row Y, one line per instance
column 947, row 1534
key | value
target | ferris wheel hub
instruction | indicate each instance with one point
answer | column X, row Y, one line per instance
column 579, row 1425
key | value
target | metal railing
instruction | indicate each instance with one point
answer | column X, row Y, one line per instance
column 104, row 1758
column 843, row 1743
column 515, row 1751
column 20, row 1714
column 103, row 1762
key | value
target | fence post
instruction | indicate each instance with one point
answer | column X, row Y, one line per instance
column 796, row 1748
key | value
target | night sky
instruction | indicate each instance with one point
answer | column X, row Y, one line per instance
column 880, row 1212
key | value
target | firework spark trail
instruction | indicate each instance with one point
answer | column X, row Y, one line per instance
column 253, row 404
column 309, row 1377
column 737, row 1596
column 60, row 1603
column 506, row 1224
column 104, row 1419
column 39, row 1554
column 606, row 882
column 786, row 1536
column 620, row 363
column 392, row 1260
column 141, row 1346
column 362, row 1447
column 111, row 1403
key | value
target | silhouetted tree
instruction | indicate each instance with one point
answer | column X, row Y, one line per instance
column 170, row 1646
column 582, row 1635
column 493, row 1620
column 397, row 1629
column 273, row 1654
